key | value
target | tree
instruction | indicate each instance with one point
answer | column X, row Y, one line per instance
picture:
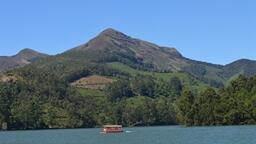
column 207, row 103
column 175, row 86
column 119, row 90
column 26, row 112
column 143, row 85
column 165, row 113
column 184, row 107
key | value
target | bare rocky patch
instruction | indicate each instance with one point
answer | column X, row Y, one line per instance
column 92, row 82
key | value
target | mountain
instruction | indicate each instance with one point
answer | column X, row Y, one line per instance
column 24, row 57
column 112, row 46
column 242, row 66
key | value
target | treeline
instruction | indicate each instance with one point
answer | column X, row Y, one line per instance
column 41, row 99
column 145, row 111
column 233, row 105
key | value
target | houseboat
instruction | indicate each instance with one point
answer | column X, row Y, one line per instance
column 112, row 129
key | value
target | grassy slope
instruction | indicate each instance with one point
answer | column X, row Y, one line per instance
column 187, row 80
column 91, row 92
column 212, row 74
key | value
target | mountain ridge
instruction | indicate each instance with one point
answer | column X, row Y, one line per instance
column 113, row 46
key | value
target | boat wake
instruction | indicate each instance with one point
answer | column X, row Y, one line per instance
column 129, row 131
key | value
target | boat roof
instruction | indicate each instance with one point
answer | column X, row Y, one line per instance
column 112, row 126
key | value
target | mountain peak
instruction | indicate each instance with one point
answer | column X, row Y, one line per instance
column 22, row 58
column 241, row 61
column 28, row 53
column 110, row 32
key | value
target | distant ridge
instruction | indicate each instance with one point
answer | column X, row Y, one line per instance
column 24, row 57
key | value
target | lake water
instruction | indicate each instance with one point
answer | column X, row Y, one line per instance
column 141, row 135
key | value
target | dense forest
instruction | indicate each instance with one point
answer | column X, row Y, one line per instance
column 233, row 105
column 38, row 98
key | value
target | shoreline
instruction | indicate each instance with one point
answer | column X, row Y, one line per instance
column 181, row 126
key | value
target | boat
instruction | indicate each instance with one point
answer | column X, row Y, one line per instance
column 112, row 129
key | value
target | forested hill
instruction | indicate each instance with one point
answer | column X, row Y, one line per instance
column 117, row 79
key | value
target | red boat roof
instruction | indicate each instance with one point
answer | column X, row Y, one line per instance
column 112, row 126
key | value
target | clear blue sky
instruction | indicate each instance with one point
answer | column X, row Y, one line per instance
column 216, row 31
